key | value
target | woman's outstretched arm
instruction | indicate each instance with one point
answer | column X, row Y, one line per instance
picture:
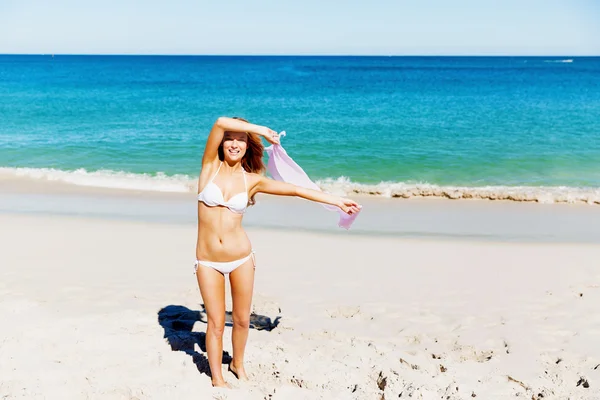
column 224, row 124
column 270, row 186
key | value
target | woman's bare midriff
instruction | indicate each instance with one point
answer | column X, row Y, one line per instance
column 221, row 237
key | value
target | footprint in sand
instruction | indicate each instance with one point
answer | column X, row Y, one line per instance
column 467, row 353
column 265, row 305
column 343, row 312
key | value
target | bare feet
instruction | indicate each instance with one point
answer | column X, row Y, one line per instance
column 221, row 384
column 239, row 372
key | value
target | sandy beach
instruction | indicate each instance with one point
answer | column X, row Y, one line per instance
column 109, row 308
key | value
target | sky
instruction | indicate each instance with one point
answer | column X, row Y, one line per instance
column 299, row 27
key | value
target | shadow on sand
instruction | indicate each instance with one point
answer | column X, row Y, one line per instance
column 178, row 322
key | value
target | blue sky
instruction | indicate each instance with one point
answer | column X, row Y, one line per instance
column 378, row 27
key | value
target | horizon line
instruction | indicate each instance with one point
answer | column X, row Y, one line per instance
column 292, row 55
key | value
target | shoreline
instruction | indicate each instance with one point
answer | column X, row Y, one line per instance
column 500, row 221
column 160, row 183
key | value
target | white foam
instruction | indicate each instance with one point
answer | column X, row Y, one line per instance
column 108, row 179
column 342, row 186
column 568, row 60
column 542, row 194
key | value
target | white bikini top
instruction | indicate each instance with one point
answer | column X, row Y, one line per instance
column 212, row 196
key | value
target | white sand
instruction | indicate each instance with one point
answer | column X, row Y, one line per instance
column 79, row 304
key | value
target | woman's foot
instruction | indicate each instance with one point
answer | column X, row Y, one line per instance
column 221, row 384
column 239, row 372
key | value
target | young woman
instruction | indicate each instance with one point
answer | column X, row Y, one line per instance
column 231, row 176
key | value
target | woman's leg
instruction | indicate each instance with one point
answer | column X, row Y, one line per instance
column 212, row 289
column 242, row 283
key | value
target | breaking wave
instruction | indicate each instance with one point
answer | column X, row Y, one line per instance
column 567, row 60
column 539, row 194
column 161, row 182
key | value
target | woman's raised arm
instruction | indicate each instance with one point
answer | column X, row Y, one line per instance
column 270, row 186
column 224, row 124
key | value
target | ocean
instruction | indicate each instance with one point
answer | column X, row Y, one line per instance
column 516, row 128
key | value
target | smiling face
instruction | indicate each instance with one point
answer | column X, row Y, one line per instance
column 234, row 146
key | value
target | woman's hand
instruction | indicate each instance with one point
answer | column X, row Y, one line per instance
column 349, row 206
column 270, row 135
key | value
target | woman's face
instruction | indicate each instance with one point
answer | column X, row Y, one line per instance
column 234, row 146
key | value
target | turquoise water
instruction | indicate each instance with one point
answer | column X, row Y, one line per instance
column 384, row 124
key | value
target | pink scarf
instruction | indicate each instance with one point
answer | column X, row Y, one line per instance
column 283, row 168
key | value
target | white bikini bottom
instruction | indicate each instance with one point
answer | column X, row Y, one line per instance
column 224, row 267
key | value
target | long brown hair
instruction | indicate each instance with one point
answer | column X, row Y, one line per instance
column 253, row 159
